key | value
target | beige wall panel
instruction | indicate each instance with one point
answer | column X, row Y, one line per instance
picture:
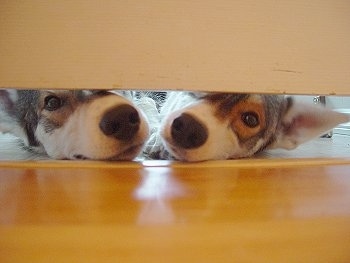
column 244, row 46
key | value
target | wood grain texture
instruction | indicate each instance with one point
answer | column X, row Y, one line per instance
column 175, row 212
column 242, row 46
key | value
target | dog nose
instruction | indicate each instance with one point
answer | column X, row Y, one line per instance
column 188, row 132
column 122, row 122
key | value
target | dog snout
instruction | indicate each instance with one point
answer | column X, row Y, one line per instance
column 188, row 132
column 121, row 122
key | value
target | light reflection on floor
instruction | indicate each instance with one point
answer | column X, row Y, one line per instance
column 157, row 188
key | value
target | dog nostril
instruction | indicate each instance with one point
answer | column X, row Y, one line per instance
column 178, row 124
column 188, row 132
column 134, row 118
column 122, row 122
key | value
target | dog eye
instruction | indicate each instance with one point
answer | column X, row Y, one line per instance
column 52, row 103
column 251, row 119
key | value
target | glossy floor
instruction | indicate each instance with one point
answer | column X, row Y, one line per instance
column 251, row 211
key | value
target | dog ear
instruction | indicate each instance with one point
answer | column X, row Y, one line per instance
column 303, row 122
column 8, row 97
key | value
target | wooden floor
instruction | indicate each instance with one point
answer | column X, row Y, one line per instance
column 225, row 211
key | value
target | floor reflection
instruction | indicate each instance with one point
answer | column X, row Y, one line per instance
column 157, row 188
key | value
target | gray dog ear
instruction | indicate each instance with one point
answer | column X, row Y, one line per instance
column 303, row 122
column 8, row 97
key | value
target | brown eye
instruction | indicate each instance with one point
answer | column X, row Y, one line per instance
column 250, row 119
column 53, row 103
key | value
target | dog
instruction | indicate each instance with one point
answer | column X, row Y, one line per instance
column 213, row 126
column 67, row 124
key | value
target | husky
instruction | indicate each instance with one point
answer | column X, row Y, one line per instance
column 67, row 124
column 213, row 126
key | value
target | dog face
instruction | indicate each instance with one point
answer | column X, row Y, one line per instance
column 226, row 126
column 74, row 124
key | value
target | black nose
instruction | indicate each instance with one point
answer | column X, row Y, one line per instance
column 188, row 132
column 122, row 122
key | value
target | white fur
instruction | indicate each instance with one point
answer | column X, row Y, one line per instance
column 220, row 148
column 81, row 135
column 154, row 142
column 221, row 143
column 12, row 149
column 304, row 121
